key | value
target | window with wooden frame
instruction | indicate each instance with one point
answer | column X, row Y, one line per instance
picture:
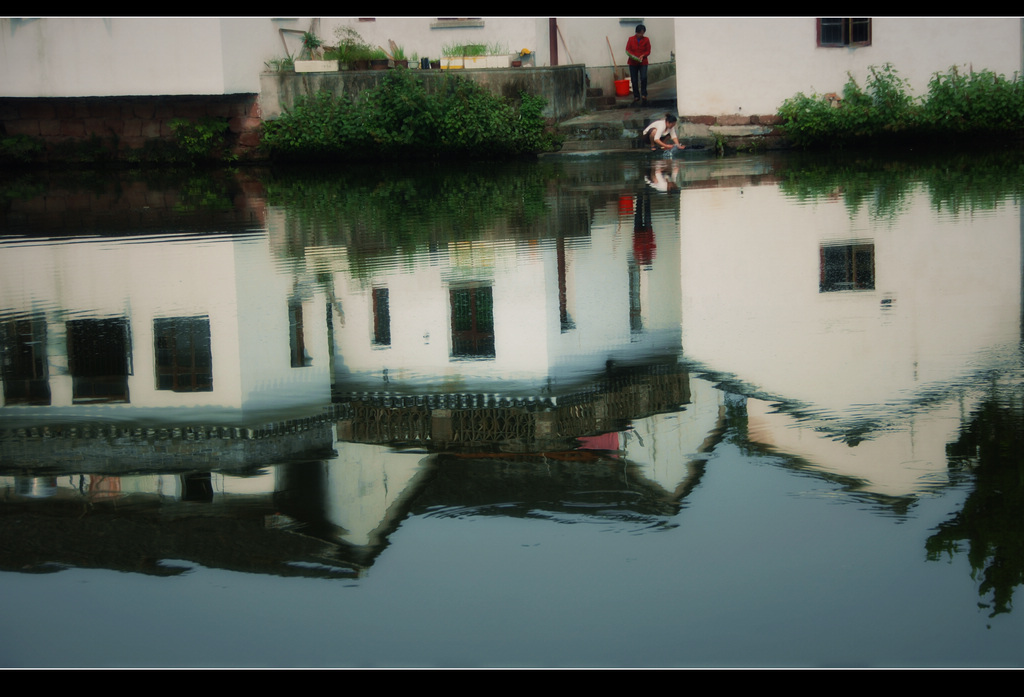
column 183, row 359
column 99, row 359
column 472, row 322
column 300, row 358
column 844, row 31
column 381, row 317
column 23, row 362
column 846, row 267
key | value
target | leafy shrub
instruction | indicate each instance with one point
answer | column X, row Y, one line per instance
column 20, row 149
column 399, row 117
column 350, row 48
column 205, row 139
column 979, row 103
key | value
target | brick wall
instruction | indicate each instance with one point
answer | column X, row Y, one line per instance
column 127, row 122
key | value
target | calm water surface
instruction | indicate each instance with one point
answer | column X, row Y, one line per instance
column 583, row 412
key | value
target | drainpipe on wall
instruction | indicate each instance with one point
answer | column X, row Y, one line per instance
column 553, row 39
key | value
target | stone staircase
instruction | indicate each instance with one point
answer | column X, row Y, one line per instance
column 615, row 124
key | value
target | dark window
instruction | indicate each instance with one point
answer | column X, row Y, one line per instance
column 847, row 267
column 197, row 486
column 23, row 356
column 636, row 322
column 381, row 317
column 183, row 359
column 472, row 322
column 565, row 319
column 297, row 336
column 844, row 31
column 99, row 358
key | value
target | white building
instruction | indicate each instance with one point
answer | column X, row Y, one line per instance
column 724, row 65
column 143, row 328
column 748, row 66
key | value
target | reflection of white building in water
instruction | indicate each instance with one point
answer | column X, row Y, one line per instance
column 505, row 316
column 863, row 327
column 107, row 327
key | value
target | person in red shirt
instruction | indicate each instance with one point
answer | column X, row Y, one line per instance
column 638, row 48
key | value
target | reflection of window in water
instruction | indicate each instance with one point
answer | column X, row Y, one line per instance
column 23, row 361
column 183, row 358
column 472, row 322
column 196, row 486
column 847, row 267
column 565, row 318
column 99, row 358
column 636, row 323
column 297, row 336
column 381, row 317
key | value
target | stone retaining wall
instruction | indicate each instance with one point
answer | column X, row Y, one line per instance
column 563, row 86
column 116, row 125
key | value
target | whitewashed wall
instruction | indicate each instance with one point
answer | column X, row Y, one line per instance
column 90, row 57
column 97, row 57
column 733, row 65
column 583, row 39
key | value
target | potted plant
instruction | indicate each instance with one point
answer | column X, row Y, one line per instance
column 451, row 57
column 494, row 55
column 351, row 49
column 378, row 59
column 312, row 50
column 281, row 65
column 398, row 56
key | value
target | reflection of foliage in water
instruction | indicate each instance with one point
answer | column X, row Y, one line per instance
column 205, row 192
column 396, row 209
column 94, row 201
column 958, row 183
column 990, row 523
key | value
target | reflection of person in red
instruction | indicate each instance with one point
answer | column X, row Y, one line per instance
column 643, row 232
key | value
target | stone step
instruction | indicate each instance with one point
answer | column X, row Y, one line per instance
column 600, row 102
column 601, row 144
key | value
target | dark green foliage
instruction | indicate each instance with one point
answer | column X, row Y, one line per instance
column 956, row 182
column 390, row 208
column 979, row 104
column 989, row 529
column 19, row 149
column 205, row 139
column 399, row 118
column 976, row 102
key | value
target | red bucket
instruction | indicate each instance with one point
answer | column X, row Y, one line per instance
column 622, row 87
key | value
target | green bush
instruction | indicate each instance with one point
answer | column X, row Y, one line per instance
column 20, row 149
column 980, row 104
column 401, row 118
column 205, row 139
